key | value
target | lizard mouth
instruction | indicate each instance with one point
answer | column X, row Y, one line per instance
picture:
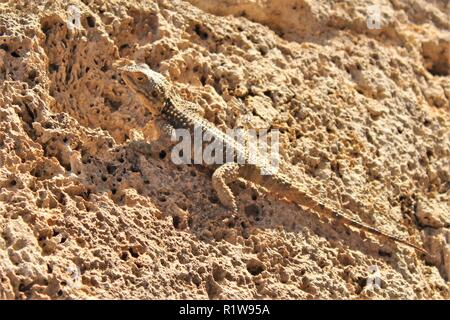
column 128, row 81
column 142, row 96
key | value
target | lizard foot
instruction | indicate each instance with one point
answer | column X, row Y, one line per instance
column 224, row 175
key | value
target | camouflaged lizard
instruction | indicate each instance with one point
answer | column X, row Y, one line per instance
column 170, row 111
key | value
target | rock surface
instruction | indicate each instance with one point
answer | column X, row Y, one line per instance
column 364, row 121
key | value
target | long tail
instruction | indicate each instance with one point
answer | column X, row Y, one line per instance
column 282, row 186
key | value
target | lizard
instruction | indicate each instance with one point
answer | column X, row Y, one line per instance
column 170, row 111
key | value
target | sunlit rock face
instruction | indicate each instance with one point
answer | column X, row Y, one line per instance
column 361, row 99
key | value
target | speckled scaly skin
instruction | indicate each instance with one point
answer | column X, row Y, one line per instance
column 171, row 111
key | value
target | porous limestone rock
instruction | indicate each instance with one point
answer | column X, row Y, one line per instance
column 364, row 124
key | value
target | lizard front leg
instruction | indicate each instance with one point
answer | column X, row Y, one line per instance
column 157, row 136
column 224, row 175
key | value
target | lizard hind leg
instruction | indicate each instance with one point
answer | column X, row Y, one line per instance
column 224, row 175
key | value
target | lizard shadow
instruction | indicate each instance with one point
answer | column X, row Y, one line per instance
column 186, row 195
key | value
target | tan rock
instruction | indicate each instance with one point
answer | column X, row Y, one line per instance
column 88, row 209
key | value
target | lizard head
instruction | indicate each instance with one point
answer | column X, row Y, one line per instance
column 150, row 87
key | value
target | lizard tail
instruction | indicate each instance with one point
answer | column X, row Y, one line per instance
column 282, row 186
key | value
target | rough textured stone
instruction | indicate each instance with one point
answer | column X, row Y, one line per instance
column 364, row 121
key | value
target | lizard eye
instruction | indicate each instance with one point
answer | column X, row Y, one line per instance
column 140, row 78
